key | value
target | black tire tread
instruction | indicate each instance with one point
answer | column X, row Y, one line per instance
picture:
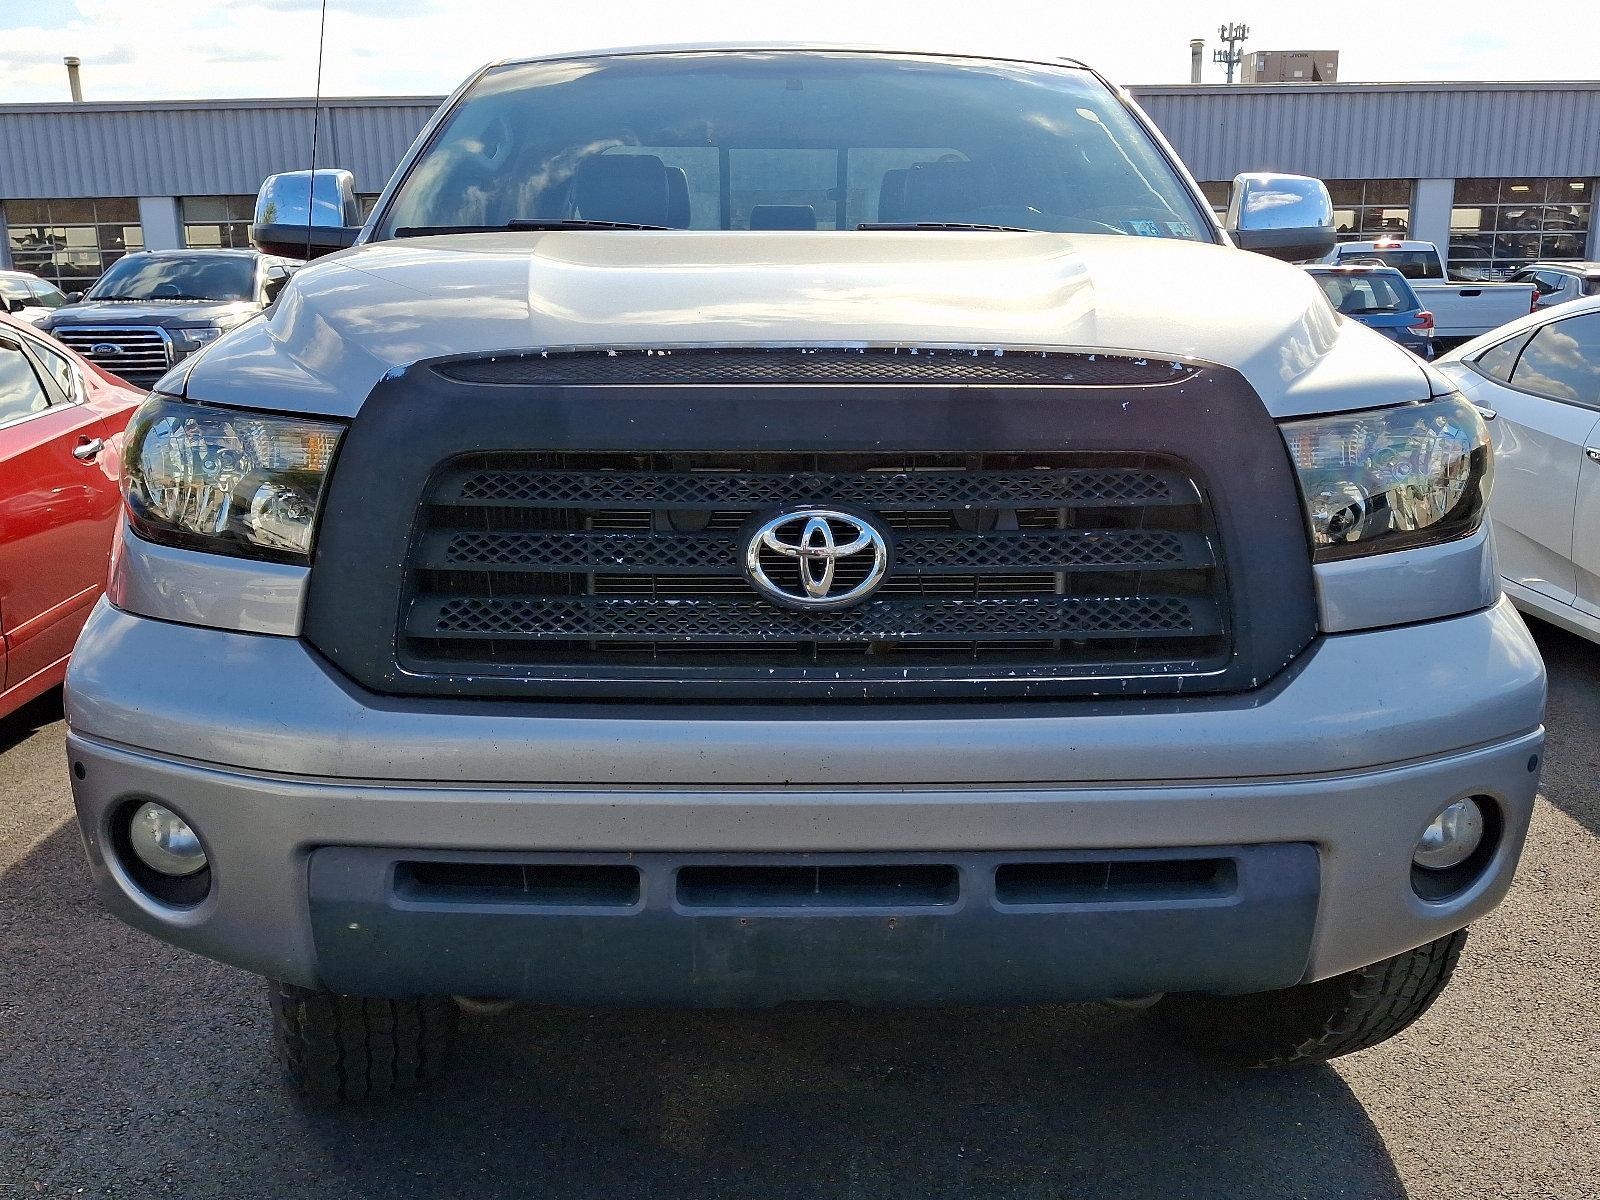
column 1318, row 1021
column 336, row 1049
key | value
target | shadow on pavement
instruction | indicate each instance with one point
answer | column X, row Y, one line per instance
column 29, row 719
column 137, row 1070
column 1571, row 777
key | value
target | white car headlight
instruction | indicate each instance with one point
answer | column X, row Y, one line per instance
column 1391, row 478
column 225, row 480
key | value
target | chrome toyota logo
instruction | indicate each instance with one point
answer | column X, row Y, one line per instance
column 105, row 348
column 815, row 559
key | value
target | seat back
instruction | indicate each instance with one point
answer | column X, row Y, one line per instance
column 622, row 187
column 783, row 216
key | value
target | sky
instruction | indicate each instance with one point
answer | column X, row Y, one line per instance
column 195, row 49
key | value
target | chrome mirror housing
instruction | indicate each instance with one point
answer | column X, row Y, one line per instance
column 1284, row 216
column 306, row 214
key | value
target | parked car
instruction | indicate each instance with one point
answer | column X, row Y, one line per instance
column 1380, row 298
column 27, row 297
column 1557, row 282
column 597, row 587
column 153, row 308
column 1538, row 380
column 61, row 420
column 1461, row 310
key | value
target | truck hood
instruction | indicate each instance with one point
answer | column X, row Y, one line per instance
column 345, row 322
column 169, row 314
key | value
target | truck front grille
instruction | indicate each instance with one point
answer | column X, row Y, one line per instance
column 140, row 354
column 1100, row 564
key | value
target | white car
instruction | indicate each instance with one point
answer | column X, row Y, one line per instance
column 1538, row 382
column 29, row 298
column 1558, row 282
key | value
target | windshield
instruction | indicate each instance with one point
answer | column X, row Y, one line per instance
column 1356, row 295
column 795, row 140
column 1413, row 264
column 178, row 277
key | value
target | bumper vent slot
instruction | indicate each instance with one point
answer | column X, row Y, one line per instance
column 1121, row 879
column 567, row 885
column 897, row 885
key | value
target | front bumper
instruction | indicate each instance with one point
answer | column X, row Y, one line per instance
column 308, row 794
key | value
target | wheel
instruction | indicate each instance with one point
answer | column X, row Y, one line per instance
column 1317, row 1021
column 335, row 1048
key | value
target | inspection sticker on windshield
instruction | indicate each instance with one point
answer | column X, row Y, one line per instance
column 1146, row 228
column 1180, row 229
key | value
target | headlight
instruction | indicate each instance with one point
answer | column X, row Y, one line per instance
column 201, row 336
column 1391, row 478
column 226, row 480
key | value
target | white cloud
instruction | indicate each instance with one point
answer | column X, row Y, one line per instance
column 205, row 48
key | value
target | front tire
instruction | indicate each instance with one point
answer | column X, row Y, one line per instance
column 336, row 1049
column 1314, row 1022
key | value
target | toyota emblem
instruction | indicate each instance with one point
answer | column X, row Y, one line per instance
column 815, row 559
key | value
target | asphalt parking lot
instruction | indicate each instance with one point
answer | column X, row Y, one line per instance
column 128, row 1069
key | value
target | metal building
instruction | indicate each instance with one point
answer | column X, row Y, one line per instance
column 1502, row 173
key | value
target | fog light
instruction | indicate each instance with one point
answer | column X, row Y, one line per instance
column 164, row 842
column 1451, row 837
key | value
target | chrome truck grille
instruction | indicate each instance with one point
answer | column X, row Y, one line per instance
column 140, row 354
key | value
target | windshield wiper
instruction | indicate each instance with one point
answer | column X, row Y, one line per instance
column 959, row 226
column 535, row 223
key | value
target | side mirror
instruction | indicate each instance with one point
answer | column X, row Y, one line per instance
column 271, row 287
column 306, row 214
column 74, row 297
column 16, row 306
column 1283, row 216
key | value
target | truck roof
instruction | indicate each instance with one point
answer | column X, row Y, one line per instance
column 1383, row 243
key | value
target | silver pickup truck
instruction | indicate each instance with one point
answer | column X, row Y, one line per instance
column 738, row 526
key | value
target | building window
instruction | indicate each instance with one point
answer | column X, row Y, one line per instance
column 1499, row 225
column 217, row 222
column 70, row 242
column 1367, row 209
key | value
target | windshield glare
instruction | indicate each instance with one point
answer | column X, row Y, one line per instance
column 795, row 140
column 180, row 277
column 1352, row 294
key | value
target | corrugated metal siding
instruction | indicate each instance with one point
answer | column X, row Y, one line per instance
column 1382, row 131
column 1335, row 131
column 224, row 148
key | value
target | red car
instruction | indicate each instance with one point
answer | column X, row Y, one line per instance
column 61, row 423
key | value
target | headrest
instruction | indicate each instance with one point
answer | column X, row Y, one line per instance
column 679, row 214
column 892, row 194
column 783, row 216
column 940, row 191
column 622, row 187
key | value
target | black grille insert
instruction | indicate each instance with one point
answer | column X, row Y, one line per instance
column 1097, row 564
column 877, row 364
